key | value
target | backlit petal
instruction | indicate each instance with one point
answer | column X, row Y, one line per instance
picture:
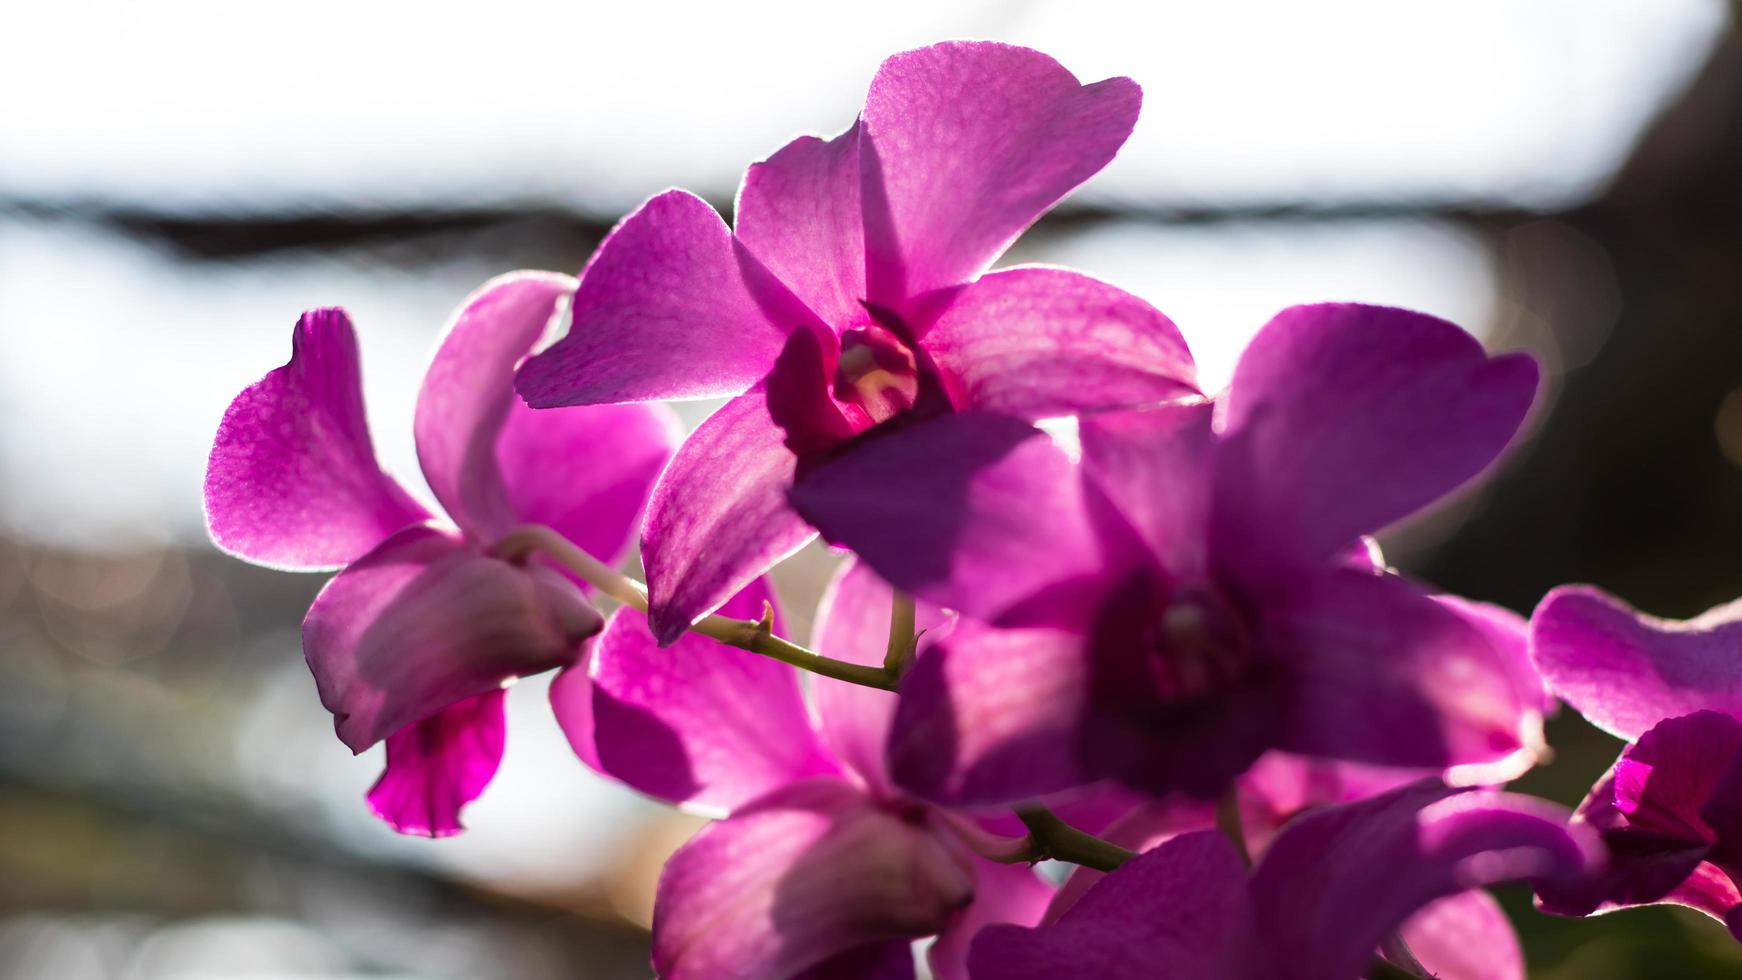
column 974, row 512
column 1382, row 673
column 698, row 722
column 806, row 873
column 469, row 391
column 798, row 211
column 1180, row 910
column 966, row 143
column 1342, row 419
column 719, row 516
column 292, row 480
column 424, row 621
column 671, row 306
column 853, row 624
column 1040, row 342
column 438, row 765
column 1626, row 671
column 1339, row 879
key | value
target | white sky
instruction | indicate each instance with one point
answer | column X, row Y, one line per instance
column 116, row 361
column 224, row 104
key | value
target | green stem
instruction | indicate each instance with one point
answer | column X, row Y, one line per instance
column 755, row 636
column 1050, row 837
column 901, row 635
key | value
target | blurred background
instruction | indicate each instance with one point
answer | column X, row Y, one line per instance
column 179, row 180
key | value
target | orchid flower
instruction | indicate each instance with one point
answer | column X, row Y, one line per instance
column 1670, row 809
column 1196, row 591
column 850, row 297
column 820, row 866
column 1329, row 889
column 1465, row 936
column 414, row 641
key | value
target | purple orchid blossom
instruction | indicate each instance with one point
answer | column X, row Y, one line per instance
column 850, row 298
column 1465, row 936
column 415, row 639
column 1196, row 592
column 1670, row 809
column 821, row 867
column 1329, row 889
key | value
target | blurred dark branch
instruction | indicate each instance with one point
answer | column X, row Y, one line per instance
column 218, row 236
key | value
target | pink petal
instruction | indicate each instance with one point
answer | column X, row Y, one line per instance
column 1644, row 866
column 719, row 516
column 438, row 765
column 586, row 471
column 806, row 873
column 1381, row 673
column 974, row 512
column 469, row 390
column 1626, row 671
column 671, row 306
column 292, row 480
column 1004, row 894
column 798, row 211
column 1342, row 419
column 1670, row 811
column 1280, row 786
column 1039, row 342
column 1155, row 466
column 966, row 143
column 853, row 624
column 992, row 717
column 1510, row 634
column 698, row 722
column 1465, row 937
column 424, row 621
column 1142, row 828
column 1339, row 879
column 1180, row 910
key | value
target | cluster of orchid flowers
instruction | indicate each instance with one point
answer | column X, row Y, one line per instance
column 1158, row 645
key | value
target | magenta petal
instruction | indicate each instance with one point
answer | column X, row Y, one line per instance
column 1465, row 937
column 1510, row 635
column 973, row 512
column 292, row 480
column 993, row 716
column 1384, row 674
column 853, row 624
column 1669, row 803
column 1141, row 828
column 1342, row 419
column 1004, row 894
column 966, row 143
column 1155, row 466
column 1625, row 671
column 1181, row 910
column 424, row 621
column 438, row 765
column 1040, row 342
column 698, row 722
column 806, row 873
column 469, row 390
column 798, row 211
column 1339, row 879
column 719, row 516
column 585, row 471
column 671, row 306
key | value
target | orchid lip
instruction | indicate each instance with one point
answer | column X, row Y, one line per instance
column 877, row 373
column 1197, row 646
